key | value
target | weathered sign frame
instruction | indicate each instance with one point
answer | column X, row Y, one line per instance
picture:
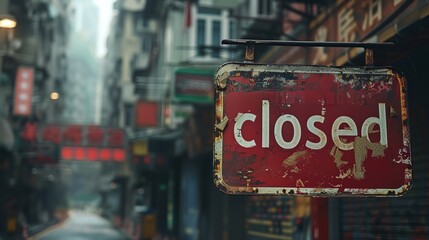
column 223, row 82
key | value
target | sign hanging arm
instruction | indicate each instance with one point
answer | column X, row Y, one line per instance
column 250, row 46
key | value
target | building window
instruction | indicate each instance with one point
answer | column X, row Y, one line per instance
column 128, row 114
column 216, row 38
column 212, row 26
column 201, row 36
column 147, row 43
column 232, row 29
column 265, row 7
column 138, row 23
column 232, row 34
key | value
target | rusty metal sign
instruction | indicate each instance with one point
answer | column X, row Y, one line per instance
column 311, row 130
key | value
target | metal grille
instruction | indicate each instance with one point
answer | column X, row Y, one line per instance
column 404, row 217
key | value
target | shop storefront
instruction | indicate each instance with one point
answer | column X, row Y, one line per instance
column 9, row 208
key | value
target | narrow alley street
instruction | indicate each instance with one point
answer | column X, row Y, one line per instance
column 214, row 119
column 81, row 226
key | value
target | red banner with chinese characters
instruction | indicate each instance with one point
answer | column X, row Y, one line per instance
column 23, row 91
column 80, row 142
column 353, row 21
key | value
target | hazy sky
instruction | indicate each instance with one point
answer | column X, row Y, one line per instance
column 106, row 13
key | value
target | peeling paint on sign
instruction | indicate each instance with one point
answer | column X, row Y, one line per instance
column 294, row 158
column 311, row 130
column 221, row 126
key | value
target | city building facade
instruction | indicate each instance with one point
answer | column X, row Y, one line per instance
column 33, row 65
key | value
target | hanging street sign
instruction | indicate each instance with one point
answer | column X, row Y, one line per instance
column 311, row 130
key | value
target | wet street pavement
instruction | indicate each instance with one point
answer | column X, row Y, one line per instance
column 81, row 226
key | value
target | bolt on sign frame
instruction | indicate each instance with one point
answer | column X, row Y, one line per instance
column 311, row 130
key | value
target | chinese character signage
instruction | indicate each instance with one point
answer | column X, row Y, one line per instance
column 81, row 135
column 23, row 91
column 76, row 153
column 79, row 142
column 352, row 21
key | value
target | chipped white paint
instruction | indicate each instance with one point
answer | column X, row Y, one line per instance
column 237, row 130
column 265, row 123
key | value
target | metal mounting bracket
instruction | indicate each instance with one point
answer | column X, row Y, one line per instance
column 251, row 43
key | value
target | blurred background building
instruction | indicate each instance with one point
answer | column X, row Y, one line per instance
column 33, row 64
column 83, row 74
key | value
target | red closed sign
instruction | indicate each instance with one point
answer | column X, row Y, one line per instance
column 311, row 130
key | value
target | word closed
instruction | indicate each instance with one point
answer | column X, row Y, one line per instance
column 336, row 133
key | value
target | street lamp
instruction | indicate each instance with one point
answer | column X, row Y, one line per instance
column 55, row 96
column 7, row 21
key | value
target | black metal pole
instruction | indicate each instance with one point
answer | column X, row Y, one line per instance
column 306, row 43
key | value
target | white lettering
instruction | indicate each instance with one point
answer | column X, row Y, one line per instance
column 381, row 121
column 317, row 132
column 346, row 23
column 337, row 132
column 278, row 127
column 265, row 123
column 237, row 130
column 342, row 126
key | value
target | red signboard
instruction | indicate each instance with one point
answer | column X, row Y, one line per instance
column 95, row 135
column 23, row 91
column 283, row 129
column 76, row 153
column 72, row 135
column 147, row 114
column 80, row 142
column 29, row 132
column 350, row 21
column 80, row 135
column 51, row 134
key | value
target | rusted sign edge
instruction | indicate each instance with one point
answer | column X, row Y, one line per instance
column 220, row 82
